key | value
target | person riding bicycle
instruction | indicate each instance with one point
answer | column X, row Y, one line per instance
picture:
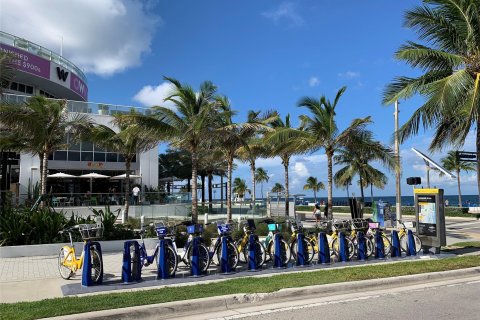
column 317, row 213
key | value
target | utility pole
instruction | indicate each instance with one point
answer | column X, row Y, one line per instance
column 398, row 171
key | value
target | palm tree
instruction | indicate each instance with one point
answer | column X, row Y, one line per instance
column 253, row 147
column 280, row 145
column 43, row 124
column 452, row 163
column 356, row 159
column 6, row 70
column 450, row 72
column 376, row 179
column 187, row 125
column 232, row 136
column 261, row 176
column 127, row 141
column 314, row 185
column 320, row 130
column 278, row 188
column 240, row 187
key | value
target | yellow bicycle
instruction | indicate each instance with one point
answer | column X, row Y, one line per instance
column 308, row 245
column 242, row 244
column 403, row 236
column 332, row 228
column 68, row 263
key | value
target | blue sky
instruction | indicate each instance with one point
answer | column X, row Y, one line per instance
column 263, row 55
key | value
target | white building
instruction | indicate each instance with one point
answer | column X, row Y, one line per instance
column 39, row 71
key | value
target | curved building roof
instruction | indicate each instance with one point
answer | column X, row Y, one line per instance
column 43, row 69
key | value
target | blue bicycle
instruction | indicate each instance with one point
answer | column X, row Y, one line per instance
column 224, row 230
column 162, row 232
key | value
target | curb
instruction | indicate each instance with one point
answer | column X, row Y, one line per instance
column 222, row 303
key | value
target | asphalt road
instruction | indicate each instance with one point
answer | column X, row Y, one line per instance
column 453, row 299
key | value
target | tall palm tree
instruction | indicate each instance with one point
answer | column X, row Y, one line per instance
column 127, row 141
column 232, row 136
column 356, row 158
column 252, row 147
column 452, row 163
column 261, row 176
column 283, row 147
column 449, row 61
column 376, row 179
column 240, row 187
column 320, row 130
column 187, row 125
column 314, row 185
column 44, row 123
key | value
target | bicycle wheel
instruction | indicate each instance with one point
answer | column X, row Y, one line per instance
column 370, row 246
column 204, row 257
column 404, row 243
column 96, row 262
column 172, row 260
column 350, row 246
column 65, row 272
column 232, row 255
column 308, row 250
column 285, row 253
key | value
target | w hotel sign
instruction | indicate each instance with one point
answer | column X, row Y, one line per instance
column 35, row 65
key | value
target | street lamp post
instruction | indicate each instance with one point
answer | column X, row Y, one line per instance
column 398, row 170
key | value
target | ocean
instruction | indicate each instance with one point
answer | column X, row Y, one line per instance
column 468, row 200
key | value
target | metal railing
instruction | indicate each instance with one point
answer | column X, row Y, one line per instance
column 83, row 107
column 40, row 51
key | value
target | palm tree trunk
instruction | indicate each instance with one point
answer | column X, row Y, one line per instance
column 252, row 169
column 371, row 192
column 194, row 185
column 478, row 157
column 43, row 178
column 315, row 195
column 127, row 189
column 329, row 191
column 252, row 172
column 229, row 189
column 459, row 191
column 361, row 188
column 285, row 166
column 210, row 189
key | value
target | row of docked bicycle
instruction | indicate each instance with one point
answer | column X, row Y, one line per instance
column 337, row 240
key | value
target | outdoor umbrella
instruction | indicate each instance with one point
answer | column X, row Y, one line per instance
column 92, row 176
column 61, row 175
column 124, row 176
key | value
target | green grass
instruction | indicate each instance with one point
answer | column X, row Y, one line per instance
column 72, row 305
column 464, row 245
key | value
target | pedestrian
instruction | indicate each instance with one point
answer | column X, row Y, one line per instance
column 325, row 211
column 446, row 203
column 317, row 213
column 135, row 193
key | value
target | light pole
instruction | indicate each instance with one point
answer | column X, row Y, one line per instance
column 398, row 170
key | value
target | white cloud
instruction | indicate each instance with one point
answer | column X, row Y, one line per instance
column 313, row 82
column 285, row 11
column 301, row 170
column 100, row 36
column 349, row 75
column 154, row 96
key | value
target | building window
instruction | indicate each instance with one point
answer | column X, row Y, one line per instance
column 20, row 87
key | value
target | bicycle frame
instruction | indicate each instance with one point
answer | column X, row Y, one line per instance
column 71, row 260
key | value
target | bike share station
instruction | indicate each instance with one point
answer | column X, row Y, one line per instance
column 430, row 227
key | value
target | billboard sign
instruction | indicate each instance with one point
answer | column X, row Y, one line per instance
column 27, row 62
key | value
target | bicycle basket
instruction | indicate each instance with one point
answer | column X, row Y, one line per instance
column 195, row 228
column 161, row 230
column 341, row 225
column 90, row 231
column 274, row 227
column 224, row 228
column 360, row 224
column 373, row 225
